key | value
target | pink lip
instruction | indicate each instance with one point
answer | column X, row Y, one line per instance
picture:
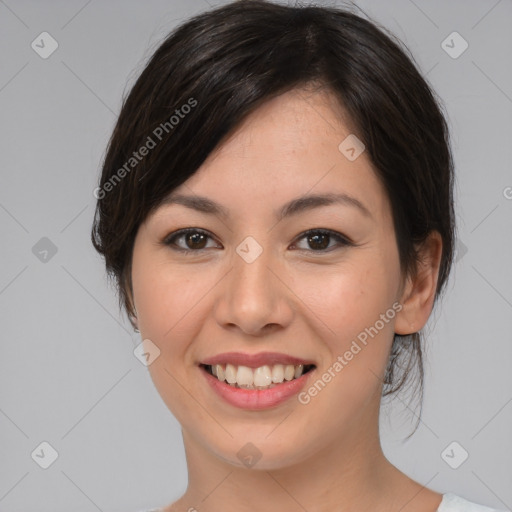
column 254, row 399
column 254, row 360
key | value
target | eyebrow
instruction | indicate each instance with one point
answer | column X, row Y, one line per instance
column 293, row 207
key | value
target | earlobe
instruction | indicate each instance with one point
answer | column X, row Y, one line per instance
column 404, row 323
column 419, row 291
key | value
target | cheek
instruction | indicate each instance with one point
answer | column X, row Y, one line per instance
column 355, row 308
column 167, row 298
column 350, row 297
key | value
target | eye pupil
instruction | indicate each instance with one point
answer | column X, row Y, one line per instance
column 196, row 237
column 314, row 239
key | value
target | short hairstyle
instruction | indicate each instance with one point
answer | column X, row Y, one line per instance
column 218, row 67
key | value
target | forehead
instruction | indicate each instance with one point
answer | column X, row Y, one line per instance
column 296, row 121
column 287, row 148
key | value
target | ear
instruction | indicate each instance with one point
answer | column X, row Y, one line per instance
column 418, row 294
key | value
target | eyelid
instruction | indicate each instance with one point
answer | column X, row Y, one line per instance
column 169, row 239
column 343, row 241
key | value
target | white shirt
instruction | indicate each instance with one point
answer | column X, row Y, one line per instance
column 454, row 503
column 450, row 503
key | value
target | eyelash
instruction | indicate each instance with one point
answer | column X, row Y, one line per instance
column 342, row 240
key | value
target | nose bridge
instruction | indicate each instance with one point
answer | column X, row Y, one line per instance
column 251, row 275
column 252, row 297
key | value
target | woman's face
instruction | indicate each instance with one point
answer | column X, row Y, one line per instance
column 253, row 283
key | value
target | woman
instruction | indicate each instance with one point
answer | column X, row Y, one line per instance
column 279, row 228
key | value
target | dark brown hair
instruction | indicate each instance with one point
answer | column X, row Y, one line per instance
column 219, row 66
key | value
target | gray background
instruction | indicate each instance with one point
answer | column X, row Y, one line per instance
column 68, row 374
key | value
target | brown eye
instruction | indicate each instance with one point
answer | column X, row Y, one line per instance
column 318, row 240
column 194, row 240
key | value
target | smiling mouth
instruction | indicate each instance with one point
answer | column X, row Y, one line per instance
column 263, row 377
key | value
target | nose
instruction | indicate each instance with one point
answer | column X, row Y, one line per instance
column 254, row 297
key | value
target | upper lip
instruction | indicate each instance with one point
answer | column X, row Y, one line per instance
column 255, row 360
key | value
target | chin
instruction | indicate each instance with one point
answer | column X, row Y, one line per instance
column 259, row 451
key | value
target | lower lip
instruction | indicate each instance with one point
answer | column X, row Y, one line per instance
column 256, row 399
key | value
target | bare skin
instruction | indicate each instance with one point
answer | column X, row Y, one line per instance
column 294, row 298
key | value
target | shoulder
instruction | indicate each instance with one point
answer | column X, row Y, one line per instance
column 453, row 503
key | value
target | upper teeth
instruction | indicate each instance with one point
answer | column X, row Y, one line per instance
column 264, row 376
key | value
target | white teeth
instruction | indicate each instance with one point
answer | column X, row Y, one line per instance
column 230, row 373
column 219, row 372
column 278, row 373
column 289, row 372
column 263, row 377
column 244, row 376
